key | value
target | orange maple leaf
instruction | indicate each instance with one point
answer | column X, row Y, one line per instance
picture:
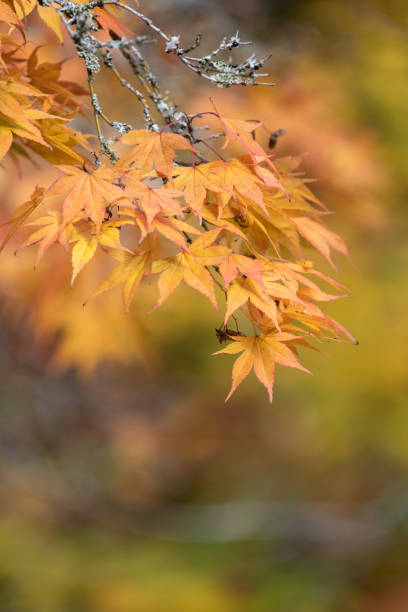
column 320, row 237
column 234, row 179
column 48, row 234
column 164, row 223
column 153, row 201
column 244, row 290
column 235, row 263
column 260, row 353
column 89, row 191
column 153, row 150
column 191, row 266
column 195, row 183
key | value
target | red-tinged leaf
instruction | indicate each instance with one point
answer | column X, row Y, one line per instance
column 242, row 132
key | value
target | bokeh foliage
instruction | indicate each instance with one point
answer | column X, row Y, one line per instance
column 85, row 461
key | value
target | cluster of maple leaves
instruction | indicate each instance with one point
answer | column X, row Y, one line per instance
column 168, row 213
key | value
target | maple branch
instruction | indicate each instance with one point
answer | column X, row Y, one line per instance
column 81, row 23
column 224, row 74
column 105, row 146
column 134, row 91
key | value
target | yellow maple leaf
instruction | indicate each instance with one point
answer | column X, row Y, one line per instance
column 260, row 353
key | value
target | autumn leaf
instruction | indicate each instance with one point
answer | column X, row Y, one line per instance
column 8, row 15
column 129, row 273
column 153, row 150
column 22, row 214
column 51, row 18
column 153, row 201
column 90, row 191
column 16, row 118
column 244, row 290
column 61, row 142
column 191, row 266
column 23, row 7
column 320, row 237
column 164, row 223
column 83, row 251
column 260, row 353
column 195, row 182
column 47, row 234
column 235, row 263
column 237, row 130
column 234, row 179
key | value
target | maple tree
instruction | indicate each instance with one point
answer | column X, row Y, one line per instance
column 175, row 202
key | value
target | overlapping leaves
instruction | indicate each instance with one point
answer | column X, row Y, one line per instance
column 168, row 212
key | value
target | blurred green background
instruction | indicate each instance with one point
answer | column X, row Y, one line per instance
column 136, row 488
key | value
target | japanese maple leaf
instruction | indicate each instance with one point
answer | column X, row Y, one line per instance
column 22, row 213
column 293, row 276
column 164, row 223
column 243, row 132
column 153, row 150
column 82, row 253
column 129, row 273
column 16, row 116
column 190, row 266
column 235, row 263
column 87, row 241
column 153, row 201
column 272, row 229
column 233, row 178
column 260, row 353
column 237, row 130
column 48, row 234
column 60, row 142
column 195, row 182
column 243, row 290
column 46, row 77
column 90, row 191
column 320, row 237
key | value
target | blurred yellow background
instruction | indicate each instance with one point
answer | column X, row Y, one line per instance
column 127, row 484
